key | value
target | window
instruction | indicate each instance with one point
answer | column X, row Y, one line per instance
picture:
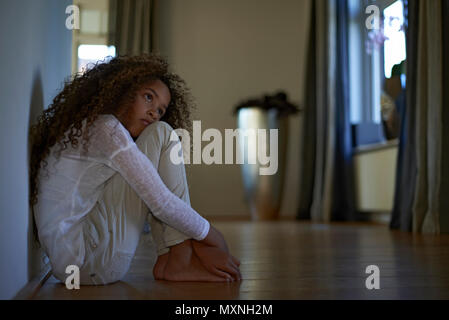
column 394, row 45
column 364, row 69
column 356, row 57
column 373, row 52
column 90, row 54
column 90, row 42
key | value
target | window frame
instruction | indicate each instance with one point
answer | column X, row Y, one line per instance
column 366, row 71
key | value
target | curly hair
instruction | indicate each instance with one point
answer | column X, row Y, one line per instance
column 103, row 89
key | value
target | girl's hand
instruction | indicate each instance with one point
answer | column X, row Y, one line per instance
column 217, row 261
column 215, row 239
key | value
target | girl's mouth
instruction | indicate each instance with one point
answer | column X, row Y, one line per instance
column 145, row 122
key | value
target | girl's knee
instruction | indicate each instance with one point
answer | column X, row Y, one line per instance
column 160, row 126
column 159, row 130
column 163, row 125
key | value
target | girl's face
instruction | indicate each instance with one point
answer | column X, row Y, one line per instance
column 150, row 105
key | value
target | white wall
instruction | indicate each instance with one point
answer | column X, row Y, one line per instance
column 228, row 51
column 34, row 59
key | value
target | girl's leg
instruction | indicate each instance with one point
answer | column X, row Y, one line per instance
column 178, row 263
column 157, row 137
column 113, row 227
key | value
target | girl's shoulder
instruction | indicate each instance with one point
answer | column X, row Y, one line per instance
column 107, row 122
column 108, row 129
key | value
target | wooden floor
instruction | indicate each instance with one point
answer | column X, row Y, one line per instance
column 295, row 260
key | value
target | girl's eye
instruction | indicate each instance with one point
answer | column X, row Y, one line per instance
column 160, row 111
column 149, row 97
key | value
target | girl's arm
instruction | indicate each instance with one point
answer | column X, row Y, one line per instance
column 140, row 173
column 116, row 145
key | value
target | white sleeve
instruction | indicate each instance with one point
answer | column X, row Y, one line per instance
column 135, row 167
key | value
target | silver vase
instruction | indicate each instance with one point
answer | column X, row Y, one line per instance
column 263, row 193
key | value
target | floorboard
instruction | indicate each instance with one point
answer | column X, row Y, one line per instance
column 295, row 260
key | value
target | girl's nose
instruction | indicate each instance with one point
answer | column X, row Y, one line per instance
column 152, row 114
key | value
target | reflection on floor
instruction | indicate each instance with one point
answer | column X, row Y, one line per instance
column 296, row 260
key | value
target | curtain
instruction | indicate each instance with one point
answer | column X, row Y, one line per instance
column 444, row 200
column 327, row 190
column 420, row 205
column 343, row 207
column 406, row 161
column 131, row 26
column 316, row 69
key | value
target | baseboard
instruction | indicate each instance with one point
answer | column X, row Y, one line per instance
column 32, row 287
column 220, row 218
column 379, row 217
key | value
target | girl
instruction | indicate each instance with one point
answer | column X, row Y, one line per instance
column 100, row 166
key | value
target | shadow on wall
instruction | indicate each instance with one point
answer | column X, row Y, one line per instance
column 35, row 253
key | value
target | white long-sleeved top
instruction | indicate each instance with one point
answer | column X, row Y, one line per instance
column 70, row 186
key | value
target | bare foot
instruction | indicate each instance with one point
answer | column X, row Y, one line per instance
column 159, row 267
column 181, row 264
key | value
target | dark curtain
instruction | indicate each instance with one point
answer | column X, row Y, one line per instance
column 308, row 152
column 444, row 199
column 422, row 182
column 327, row 179
column 131, row 26
column 343, row 200
column 402, row 216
